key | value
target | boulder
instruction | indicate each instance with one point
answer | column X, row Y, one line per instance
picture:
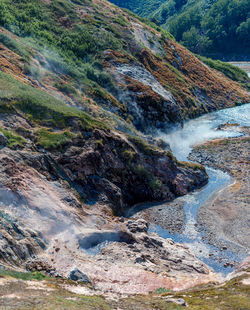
column 138, row 226
column 77, row 275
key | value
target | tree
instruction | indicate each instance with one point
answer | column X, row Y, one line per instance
column 243, row 31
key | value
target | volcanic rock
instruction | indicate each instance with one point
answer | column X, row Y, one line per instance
column 77, row 275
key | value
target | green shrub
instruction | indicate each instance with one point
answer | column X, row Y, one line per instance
column 99, row 143
column 100, row 77
column 32, row 71
column 128, row 155
column 66, row 88
column 142, row 172
column 233, row 72
column 155, row 184
column 143, row 146
column 161, row 290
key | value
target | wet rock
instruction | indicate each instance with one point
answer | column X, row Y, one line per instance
column 150, row 242
column 3, row 139
column 140, row 259
column 77, row 275
column 228, row 264
column 104, row 172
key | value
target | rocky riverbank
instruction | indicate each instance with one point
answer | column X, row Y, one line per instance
column 225, row 218
column 170, row 215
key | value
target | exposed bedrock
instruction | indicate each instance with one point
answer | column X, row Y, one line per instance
column 121, row 172
column 131, row 260
column 109, row 170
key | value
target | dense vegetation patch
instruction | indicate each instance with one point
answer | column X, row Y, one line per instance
column 15, row 46
column 140, row 7
column 72, row 44
column 26, row 276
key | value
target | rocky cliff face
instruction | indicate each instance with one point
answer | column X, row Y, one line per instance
column 73, row 150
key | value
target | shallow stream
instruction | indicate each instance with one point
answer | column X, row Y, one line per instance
column 181, row 141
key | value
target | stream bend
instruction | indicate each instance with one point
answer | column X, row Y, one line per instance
column 181, row 141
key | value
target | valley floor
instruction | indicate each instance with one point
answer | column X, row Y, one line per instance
column 225, row 218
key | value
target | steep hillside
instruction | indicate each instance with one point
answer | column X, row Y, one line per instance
column 96, row 53
column 140, row 7
column 82, row 85
column 217, row 27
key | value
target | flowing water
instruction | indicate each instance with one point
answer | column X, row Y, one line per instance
column 181, row 141
column 245, row 65
column 204, row 128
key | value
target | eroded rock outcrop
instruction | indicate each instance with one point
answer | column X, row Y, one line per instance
column 108, row 170
column 124, row 173
column 128, row 259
